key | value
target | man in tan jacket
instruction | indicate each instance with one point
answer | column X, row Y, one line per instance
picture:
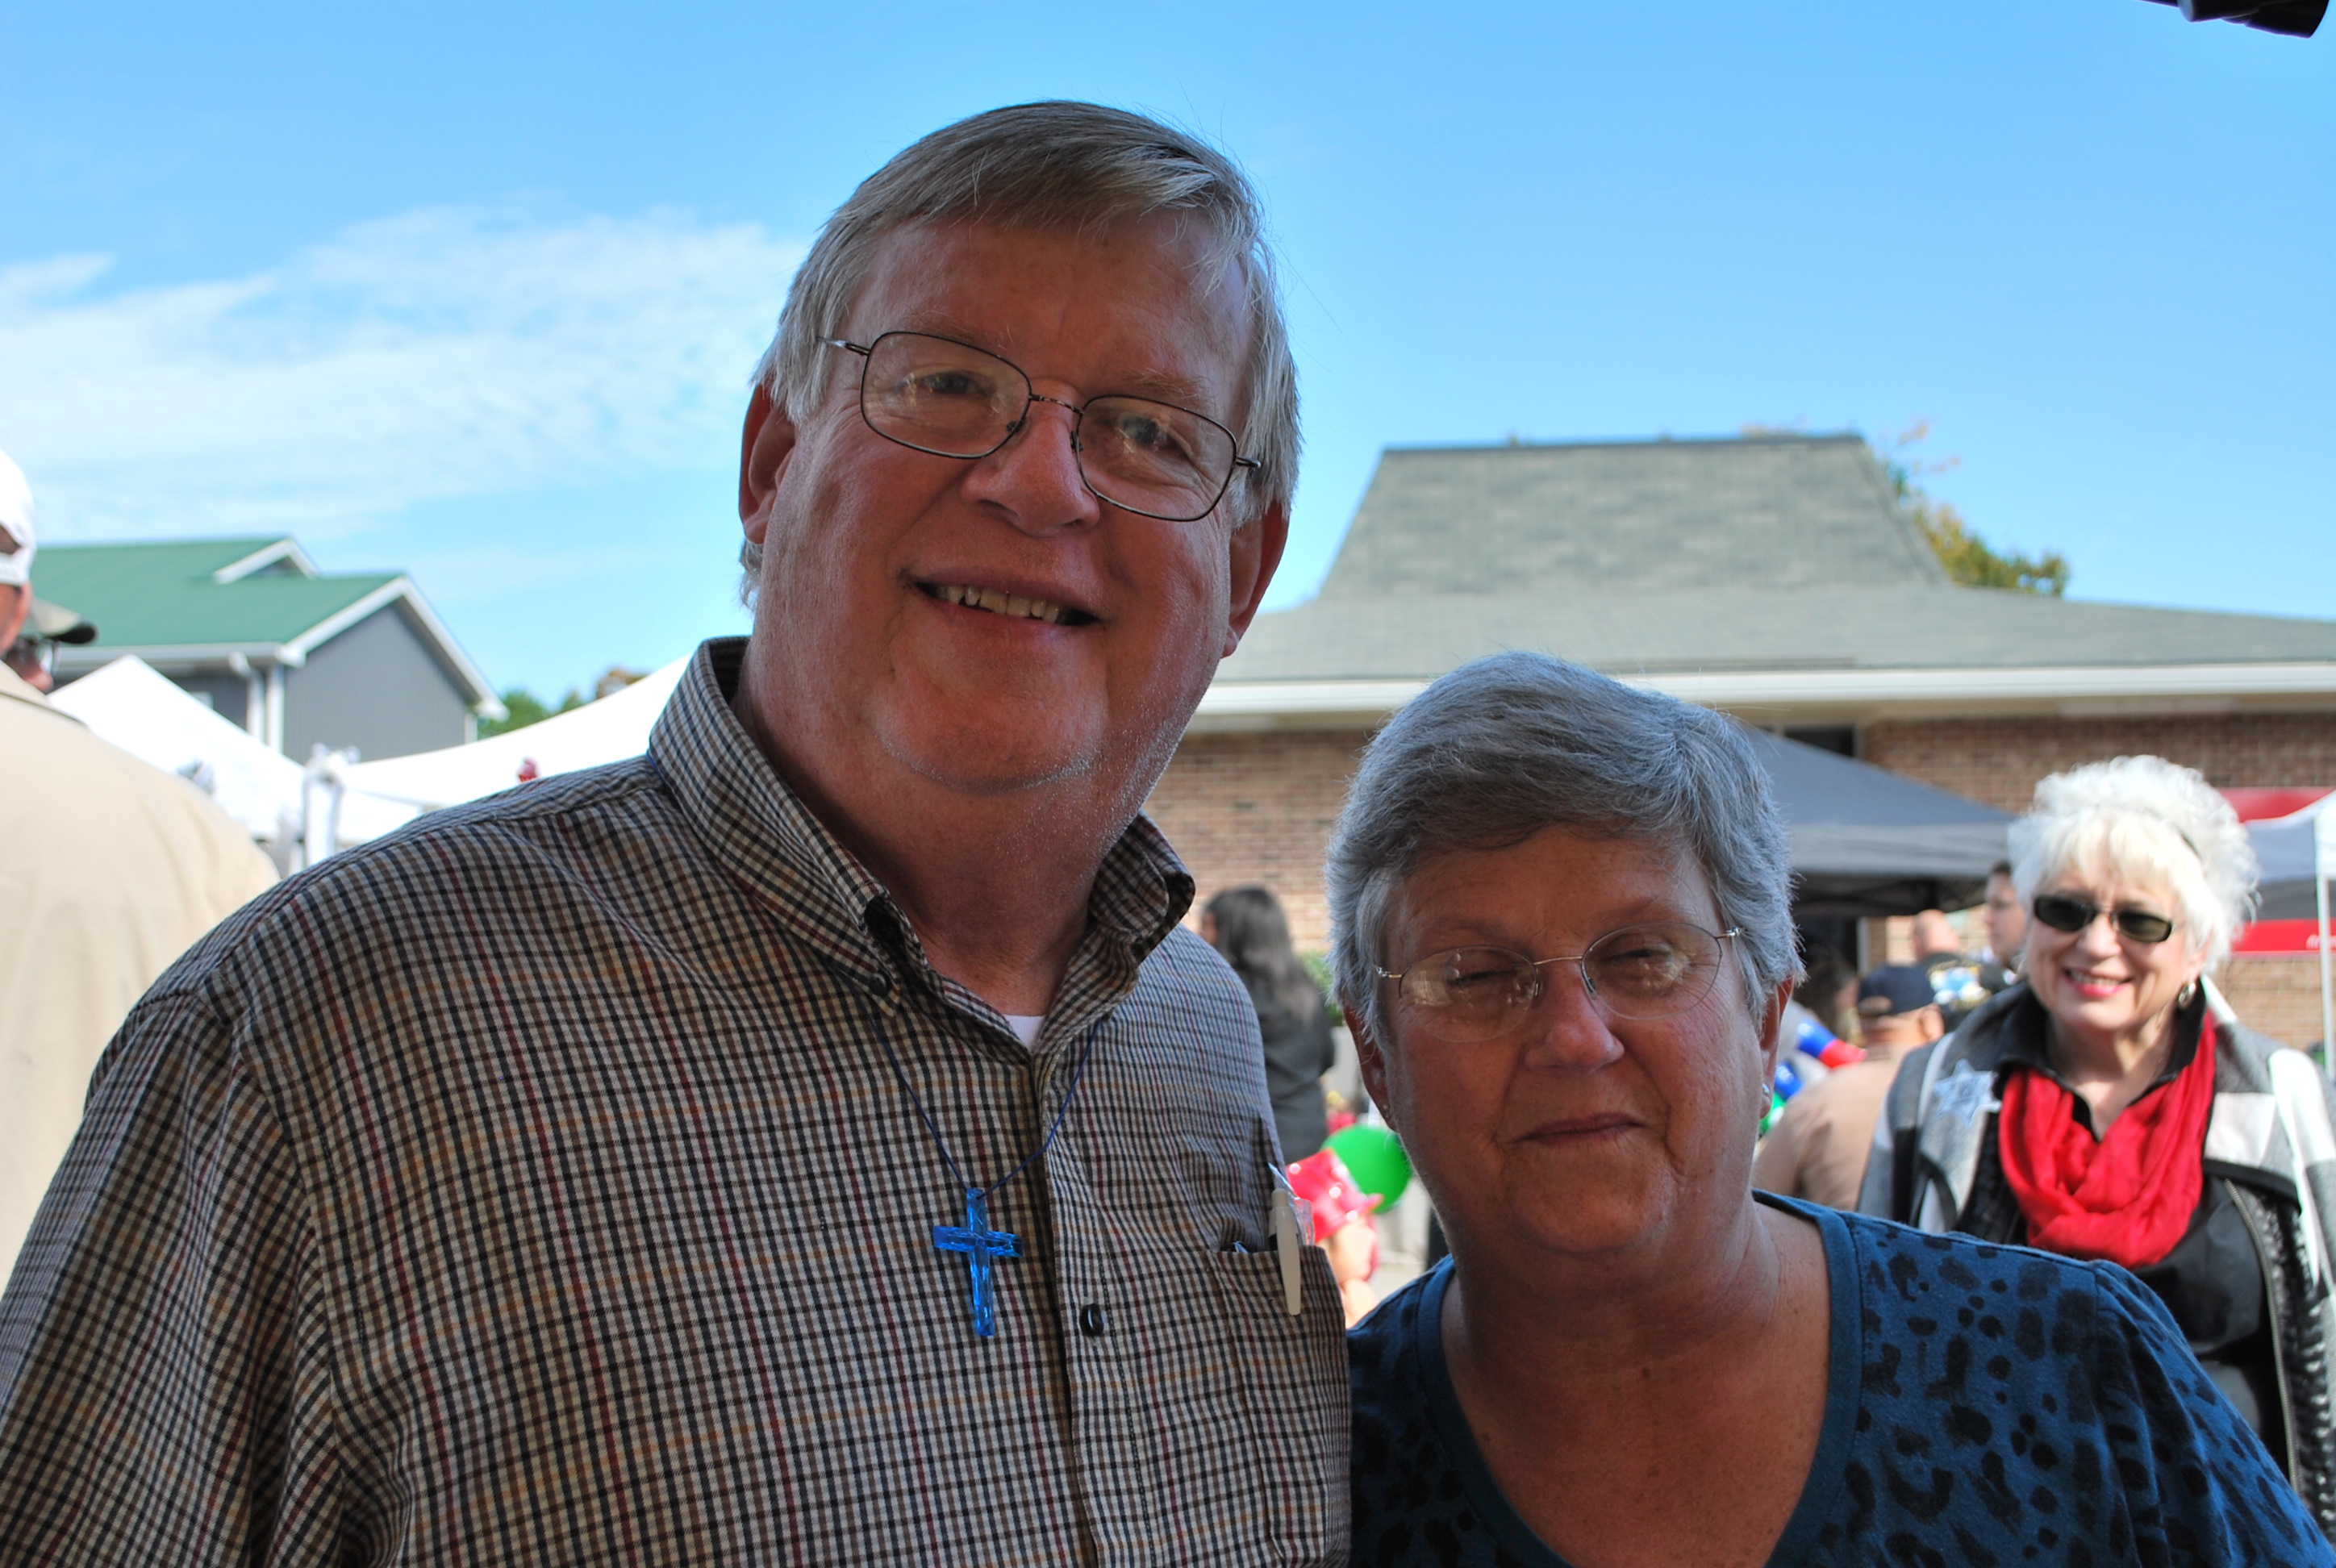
column 109, row 870
column 1817, row 1148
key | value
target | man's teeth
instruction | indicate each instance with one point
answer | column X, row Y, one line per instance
column 997, row 603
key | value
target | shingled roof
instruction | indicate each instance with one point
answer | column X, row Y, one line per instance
column 1764, row 568
column 1630, row 517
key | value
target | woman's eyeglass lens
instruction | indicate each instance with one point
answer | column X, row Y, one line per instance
column 2066, row 914
column 953, row 400
column 1649, row 971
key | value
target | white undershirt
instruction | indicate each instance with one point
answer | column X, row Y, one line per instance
column 1025, row 1028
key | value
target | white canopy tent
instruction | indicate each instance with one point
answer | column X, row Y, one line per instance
column 336, row 800
column 127, row 703
column 610, row 730
column 2298, row 855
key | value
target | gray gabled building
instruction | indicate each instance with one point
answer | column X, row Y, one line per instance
column 1776, row 576
column 299, row 656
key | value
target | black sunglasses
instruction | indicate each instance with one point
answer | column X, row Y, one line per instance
column 2068, row 914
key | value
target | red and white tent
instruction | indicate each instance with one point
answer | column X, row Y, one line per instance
column 2294, row 835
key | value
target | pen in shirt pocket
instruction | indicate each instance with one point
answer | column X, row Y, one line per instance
column 1289, row 1221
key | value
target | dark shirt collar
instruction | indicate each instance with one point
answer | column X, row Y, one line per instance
column 2022, row 1039
column 759, row 829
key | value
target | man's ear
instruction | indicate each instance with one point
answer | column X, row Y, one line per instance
column 1257, row 548
column 764, row 448
column 1934, row 1023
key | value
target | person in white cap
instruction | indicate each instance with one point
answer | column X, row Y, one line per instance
column 109, row 870
column 15, row 556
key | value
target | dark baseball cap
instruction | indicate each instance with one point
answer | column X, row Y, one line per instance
column 1894, row 988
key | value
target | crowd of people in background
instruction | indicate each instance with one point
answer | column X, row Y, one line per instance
column 840, row 1081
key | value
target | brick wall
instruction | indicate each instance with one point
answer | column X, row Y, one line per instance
column 2278, row 996
column 1999, row 760
column 1259, row 808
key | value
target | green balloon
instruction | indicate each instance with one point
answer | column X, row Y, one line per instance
column 1375, row 1158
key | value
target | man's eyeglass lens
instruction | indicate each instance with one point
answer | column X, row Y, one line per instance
column 953, row 400
column 2064, row 914
column 1649, row 971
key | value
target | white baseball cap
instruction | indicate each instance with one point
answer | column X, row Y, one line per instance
column 16, row 524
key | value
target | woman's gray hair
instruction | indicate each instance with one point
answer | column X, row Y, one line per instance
column 1500, row 749
column 1055, row 165
column 2143, row 819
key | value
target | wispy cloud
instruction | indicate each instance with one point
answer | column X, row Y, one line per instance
column 437, row 354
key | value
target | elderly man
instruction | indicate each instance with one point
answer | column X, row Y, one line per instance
column 2005, row 919
column 1817, row 1148
column 109, row 870
column 815, row 1141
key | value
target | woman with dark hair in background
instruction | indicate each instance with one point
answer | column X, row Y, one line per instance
column 1246, row 925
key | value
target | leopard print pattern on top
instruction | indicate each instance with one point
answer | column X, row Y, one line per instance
column 1986, row 1404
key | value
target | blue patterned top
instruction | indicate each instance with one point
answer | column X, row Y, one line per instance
column 1984, row 1405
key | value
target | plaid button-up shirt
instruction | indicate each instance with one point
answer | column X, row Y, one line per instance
column 532, row 1187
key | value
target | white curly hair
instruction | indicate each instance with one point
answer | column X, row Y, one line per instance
column 2147, row 821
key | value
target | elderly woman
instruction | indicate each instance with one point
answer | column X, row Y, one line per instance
column 1563, row 932
column 2109, row 1107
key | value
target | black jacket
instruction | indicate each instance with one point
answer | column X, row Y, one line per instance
column 2271, row 1138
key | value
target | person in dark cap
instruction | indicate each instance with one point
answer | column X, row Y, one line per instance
column 1817, row 1149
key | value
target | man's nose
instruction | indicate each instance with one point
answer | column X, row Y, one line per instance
column 1035, row 477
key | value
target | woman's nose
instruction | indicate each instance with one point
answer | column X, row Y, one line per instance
column 1569, row 1028
column 2099, row 935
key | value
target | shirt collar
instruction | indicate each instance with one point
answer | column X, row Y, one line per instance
column 2023, row 1038
column 760, row 829
column 16, row 685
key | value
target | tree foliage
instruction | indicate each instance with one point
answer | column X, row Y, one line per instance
column 524, row 708
column 1969, row 559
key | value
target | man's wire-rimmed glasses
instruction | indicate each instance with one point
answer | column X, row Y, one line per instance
column 1647, row 971
column 951, row 399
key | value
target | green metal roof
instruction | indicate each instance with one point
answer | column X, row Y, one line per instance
column 165, row 595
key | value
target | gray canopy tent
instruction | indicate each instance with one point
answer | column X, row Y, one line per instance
column 1867, row 841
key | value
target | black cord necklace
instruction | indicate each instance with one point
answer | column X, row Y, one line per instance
column 974, row 1239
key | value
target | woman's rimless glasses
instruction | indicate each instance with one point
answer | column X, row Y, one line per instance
column 951, row 399
column 1649, row 971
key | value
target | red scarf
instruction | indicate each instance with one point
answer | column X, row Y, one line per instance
column 2128, row 1197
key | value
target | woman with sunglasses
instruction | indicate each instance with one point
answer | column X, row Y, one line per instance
column 2110, row 1106
column 1561, row 923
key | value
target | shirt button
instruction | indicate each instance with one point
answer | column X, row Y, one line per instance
column 1092, row 1320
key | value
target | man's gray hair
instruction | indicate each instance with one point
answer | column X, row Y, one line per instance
column 1055, row 165
column 1500, row 749
column 2143, row 819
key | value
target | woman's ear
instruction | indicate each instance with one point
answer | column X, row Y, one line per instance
column 1377, row 1080
column 1771, row 1025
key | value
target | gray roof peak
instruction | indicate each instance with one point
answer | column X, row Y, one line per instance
column 1660, row 516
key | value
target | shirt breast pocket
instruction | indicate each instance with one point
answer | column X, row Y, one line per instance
column 1294, row 1376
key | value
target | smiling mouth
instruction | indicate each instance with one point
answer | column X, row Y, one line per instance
column 2085, row 978
column 1013, row 606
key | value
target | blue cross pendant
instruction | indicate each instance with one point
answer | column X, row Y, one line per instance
column 980, row 1245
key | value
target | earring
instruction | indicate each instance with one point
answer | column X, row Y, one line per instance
column 2187, row 995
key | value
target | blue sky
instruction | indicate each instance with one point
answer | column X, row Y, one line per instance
column 474, row 291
